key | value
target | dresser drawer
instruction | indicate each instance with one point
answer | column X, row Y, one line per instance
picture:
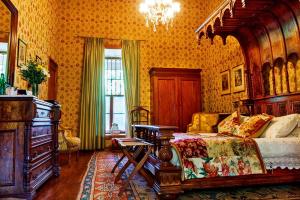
column 40, row 134
column 40, row 168
column 42, row 113
column 16, row 110
column 39, row 151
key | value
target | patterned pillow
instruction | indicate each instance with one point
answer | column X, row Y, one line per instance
column 229, row 124
column 253, row 127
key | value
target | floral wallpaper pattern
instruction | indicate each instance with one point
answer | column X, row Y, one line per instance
column 177, row 47
column 55, row 28
column 121, row 19
column 38, row 26
column 4, row 22
column 219, row 58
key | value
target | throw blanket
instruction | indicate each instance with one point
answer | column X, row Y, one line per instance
column 218, row 156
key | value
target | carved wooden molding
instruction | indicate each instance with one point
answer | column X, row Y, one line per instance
column 268, row 31
column 217, row 17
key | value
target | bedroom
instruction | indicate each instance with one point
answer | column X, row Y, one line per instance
column 57, row 29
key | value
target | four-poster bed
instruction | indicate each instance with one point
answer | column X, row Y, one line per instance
column 268, row 32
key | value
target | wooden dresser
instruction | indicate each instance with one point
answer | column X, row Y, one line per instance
column 175, row 96
column 28, row 144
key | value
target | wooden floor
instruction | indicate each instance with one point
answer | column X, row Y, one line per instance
column 66, row 186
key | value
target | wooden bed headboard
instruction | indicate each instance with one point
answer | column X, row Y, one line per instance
column 278, row 105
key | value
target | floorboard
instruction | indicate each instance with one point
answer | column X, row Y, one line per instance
column 66, row 186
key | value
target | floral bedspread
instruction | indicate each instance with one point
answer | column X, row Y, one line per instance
column 218, row 156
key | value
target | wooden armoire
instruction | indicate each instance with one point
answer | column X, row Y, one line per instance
column 175, row 96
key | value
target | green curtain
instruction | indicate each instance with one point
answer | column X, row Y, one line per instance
column 131, row 64
column 92, row 121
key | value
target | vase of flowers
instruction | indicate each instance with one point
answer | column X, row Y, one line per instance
column 34, row 73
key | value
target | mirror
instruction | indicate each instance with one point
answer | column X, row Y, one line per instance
column 8, row 39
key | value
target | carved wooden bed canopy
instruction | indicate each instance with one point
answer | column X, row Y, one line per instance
column 268, row 32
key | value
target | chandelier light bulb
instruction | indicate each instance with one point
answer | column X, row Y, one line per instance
column 176, row 7
column 143, row 8
column 150, row 2
column 170, row 13
column 159, row 12
column 168, row 1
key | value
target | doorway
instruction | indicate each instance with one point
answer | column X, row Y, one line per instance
column 52, row 82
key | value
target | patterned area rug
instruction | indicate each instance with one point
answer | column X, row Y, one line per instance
column 98, row 184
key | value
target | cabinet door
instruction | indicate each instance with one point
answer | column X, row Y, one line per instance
column 11, row 158
column 189, row 100
column 165, row 101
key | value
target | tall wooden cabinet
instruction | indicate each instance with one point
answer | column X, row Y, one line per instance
column 28, row 144
column 175, row 96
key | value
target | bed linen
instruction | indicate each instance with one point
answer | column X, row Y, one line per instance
column 276, row 152
column 204, row 157
column 280, row 152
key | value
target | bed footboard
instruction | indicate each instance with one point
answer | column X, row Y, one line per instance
column 166, row 177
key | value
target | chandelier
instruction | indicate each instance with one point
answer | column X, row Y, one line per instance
column 159, row 12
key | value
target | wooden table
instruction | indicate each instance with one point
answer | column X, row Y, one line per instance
column 137, row 145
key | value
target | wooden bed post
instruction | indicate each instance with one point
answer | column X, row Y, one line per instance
column 167, row 177
column 167, row 183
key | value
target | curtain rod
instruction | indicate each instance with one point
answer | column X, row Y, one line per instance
column 105, row 38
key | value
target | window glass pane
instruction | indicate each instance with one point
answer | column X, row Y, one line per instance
column 113, row 72
column 3, row 46
column 114, row 86
column 119, row 104
column 107, row 104
column 120, row 120
column 113, row 52
column 3, row 65
column 3, row 58
column 107, row 125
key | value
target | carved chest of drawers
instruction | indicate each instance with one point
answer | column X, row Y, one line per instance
column 28, row 144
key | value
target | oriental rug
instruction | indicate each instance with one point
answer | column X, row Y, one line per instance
column 98, row 184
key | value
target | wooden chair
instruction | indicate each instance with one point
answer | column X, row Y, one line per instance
column 67, row 142
column 139, row 115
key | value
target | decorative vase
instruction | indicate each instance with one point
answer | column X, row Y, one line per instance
column 35, row 89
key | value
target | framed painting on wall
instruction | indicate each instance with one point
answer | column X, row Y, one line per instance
column 225, row 82
column 22, row 48
column 238, row 78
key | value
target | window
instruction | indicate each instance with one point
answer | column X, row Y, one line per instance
column 114, row 92
column 3, row 58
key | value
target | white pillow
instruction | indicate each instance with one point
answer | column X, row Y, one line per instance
column 295, row 132
column 281, row 126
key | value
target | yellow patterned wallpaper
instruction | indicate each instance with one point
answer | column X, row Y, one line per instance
column 4, row 22
column 121, row 19
column 38, row 27
column 51, row 28
column 219, row 58
column 177, row 47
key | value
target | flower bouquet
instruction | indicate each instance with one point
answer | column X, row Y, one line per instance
column 35, row 73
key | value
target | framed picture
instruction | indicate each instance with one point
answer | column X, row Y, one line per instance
column 225, row 82
column 38, row 60
column 238, row 78
column 22, row 48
